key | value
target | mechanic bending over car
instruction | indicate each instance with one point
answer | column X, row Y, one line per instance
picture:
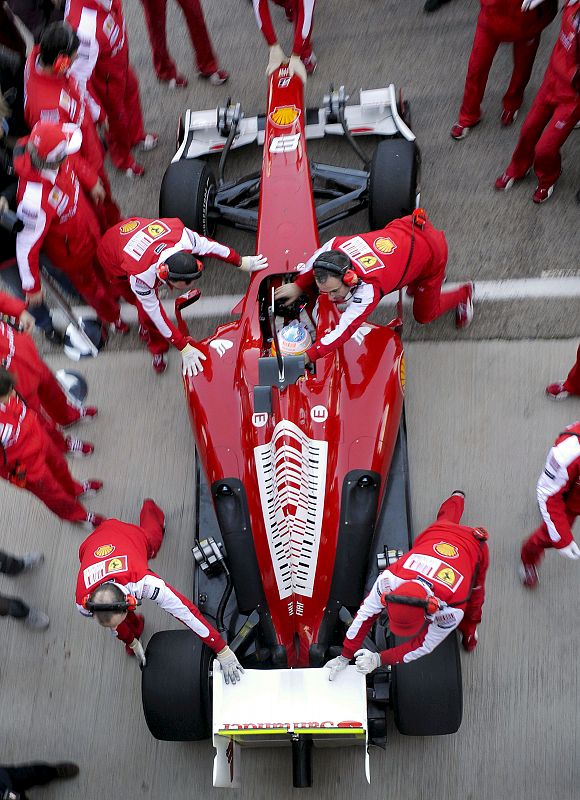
column 114, row 577
column 355, row 272
column 139, row 254
column 438, row 586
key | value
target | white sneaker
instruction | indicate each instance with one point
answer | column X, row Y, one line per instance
column 150, row 142
column 32, row 560
column 37, row 620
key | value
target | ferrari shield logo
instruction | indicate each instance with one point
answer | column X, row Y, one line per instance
column 284, row 116
column 384, row 244
column 156, row 229
column 368, row 262
column 447, row 575
column 117, row 564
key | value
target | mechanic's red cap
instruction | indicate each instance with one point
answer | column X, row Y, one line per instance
column 405, row 620
column 53, row 141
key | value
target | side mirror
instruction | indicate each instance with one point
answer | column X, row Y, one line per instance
column 183, row 301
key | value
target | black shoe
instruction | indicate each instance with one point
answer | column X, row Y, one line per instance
column 433, row 5
column 66, row 770
column 578, row 196
column 54, row 337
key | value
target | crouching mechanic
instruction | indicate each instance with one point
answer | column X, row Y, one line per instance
column 114, row 577
column 140, row 254
column 558, row 493
column 438, row 586
column 355, row 272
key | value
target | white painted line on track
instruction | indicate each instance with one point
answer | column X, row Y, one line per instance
column 485, row 291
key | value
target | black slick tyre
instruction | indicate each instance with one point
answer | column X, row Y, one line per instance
column 393, row 181
column 175, row 687
column 187, row 192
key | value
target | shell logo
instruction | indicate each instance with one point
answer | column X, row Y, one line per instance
column 385, row 244
column 129, row 227
column 445, row 549
column 402, row 373
column 284, row 116
column 104, row 550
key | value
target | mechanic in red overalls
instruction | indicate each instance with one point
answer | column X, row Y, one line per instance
column 558, row 493
column 102, row 68
column 207, row 63
column 30, row 460
column 57, row 218
column 302, row 60
column 138, row 255
column 563, row 389
column 35, row 383
column 114, row 577
column 52, row 95
column 502, row 21
column 355, row 272
column 553, row 115
column 434, row 589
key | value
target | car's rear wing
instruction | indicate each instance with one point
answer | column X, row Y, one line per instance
column 377, row 114
column 299, row 708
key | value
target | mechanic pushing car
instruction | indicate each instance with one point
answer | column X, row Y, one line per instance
column 30, row 460
column 558, row 493
column 140, row 254
column 438, row 586
column 114, row 577
column 355, row 272
column 302, row 61
column 36, row 385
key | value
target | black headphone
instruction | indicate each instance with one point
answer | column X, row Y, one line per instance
column 130, row 603
column 343, row 270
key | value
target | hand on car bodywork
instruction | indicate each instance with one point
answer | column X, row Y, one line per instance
column 289, row 292
column 366, row 661
column 231, row 667
column 275, row 59
column 253, row 263
column 336, row 665
column 137, row 649
column 296, row 67
column 191, row 359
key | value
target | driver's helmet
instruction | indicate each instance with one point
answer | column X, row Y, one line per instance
column 294, row 339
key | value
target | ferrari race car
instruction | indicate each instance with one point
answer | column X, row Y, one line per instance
column 302, row 474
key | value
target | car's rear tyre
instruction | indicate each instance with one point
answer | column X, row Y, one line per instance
column 175, row 687
column 188, row 192
column 393, row 181
column 427, row 694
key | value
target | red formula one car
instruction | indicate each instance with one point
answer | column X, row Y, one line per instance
column 302, row 482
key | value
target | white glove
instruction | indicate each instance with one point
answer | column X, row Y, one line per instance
column 137, row 649
column 336, row 665
column 191, row 359
column 275, row 59
column 253, row 263
column 366, row 662
column 296, row 67
column 572, row 551
column 288, row 292
column 230, row 665
column 529, row 5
